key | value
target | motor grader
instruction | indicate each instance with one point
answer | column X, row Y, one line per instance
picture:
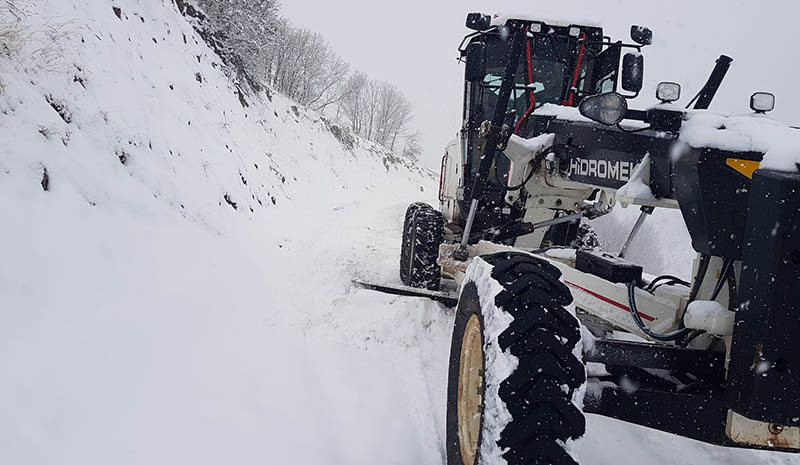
column 547, row 142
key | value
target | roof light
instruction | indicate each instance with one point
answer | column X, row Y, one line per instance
column 668, row 92
column 762, row 102
column 536, row 27
column 574, row 31
column 479, row 21
column 641, row 35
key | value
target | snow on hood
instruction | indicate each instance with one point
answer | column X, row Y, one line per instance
column 779, row 143
column 561, row 112
column 574, row 114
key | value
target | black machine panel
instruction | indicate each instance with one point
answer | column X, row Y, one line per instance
column 607, row 157
column 607, row 266
column 714, row 199
column 765, row 359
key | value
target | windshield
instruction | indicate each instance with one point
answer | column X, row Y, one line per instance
column 544, row 81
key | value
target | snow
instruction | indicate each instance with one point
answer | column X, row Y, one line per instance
column 745, row 133
column 502, row 19
column 669, row 106
column 710, row 316
column 145, row 320
column 521, row 151
column 662, row 246
column 574, row 114
column 635, row 188
column 561, row 112
column 534, row 145
column 561, row 254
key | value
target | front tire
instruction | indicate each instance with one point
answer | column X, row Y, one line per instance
column 522, row 413
column 423, row 233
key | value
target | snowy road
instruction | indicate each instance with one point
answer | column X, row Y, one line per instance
column 246, row 355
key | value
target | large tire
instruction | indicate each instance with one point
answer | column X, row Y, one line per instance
column 423, row 233
column 539, row 394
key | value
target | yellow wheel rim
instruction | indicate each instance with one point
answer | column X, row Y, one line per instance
column 470, row 384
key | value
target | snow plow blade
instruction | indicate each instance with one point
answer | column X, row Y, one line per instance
column 443, row 297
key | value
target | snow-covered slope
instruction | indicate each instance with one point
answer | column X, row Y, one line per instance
column 174, row 290
column 145, row 319
column 139, row 117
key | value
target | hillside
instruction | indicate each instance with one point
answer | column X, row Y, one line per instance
column 175, row 261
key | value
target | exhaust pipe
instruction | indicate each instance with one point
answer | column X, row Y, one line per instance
column 711, row 87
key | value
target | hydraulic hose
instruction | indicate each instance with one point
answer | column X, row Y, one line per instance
column 723, row 277
column 673, row 336
column 665, row 280
column 511, row 188
column 702, row 269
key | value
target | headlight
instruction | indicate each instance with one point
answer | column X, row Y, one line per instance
column 668, row 92
column 762, row 102
column 607, row 108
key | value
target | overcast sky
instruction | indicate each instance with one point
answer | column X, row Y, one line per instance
column 413, row 43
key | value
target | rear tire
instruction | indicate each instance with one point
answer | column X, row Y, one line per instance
column 538, row 394
column 423, row 233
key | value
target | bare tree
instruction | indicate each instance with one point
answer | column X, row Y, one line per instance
column 412, row 148
column 377, row 111
column 304, row 67
column 351, row 103
column 300, row 64
column 394, row 113
column 245, row 29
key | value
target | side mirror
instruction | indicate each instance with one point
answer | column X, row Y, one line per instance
column 476, row 62
column 607, row 108
column 479, row 21
column 762, row 102
column 632, row 72
column 641, row 35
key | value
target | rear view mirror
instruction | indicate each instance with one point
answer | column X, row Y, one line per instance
column 476, row 62
column 641, row 35
column 632, row 72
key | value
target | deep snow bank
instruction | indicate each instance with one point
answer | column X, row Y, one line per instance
column 140, row 116
column 175, row 272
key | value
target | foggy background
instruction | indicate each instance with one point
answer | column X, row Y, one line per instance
column 413, row 44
